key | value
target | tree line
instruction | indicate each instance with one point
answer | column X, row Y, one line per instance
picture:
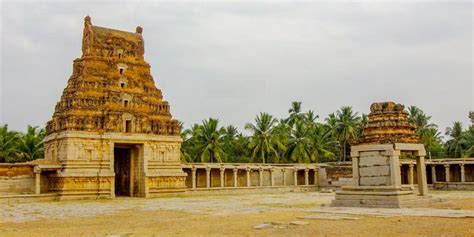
column 298, row 138
column 21, row 147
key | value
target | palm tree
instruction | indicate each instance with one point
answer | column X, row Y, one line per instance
column 232, row 141
column 331, row 120
column 9, row 141
column 433, row 143
column 210, row 140
column 426, row 131
column 310, row 116
column 263, row 142
column 458, row 142
column 31, row 144
column 418, row 118
column 469, row 135
column 322, row 143
column 295, row 113
column 231, row 132
column 364, row 119
column 190, row 146
column 345, row 127
column 298, row 148
column 281, row 134
column 239, row 151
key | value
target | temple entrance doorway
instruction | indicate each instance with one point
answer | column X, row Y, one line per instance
column 122, row 167
column 129, row 170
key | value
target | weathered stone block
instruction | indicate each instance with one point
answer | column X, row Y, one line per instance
column 375, row 181
column 374, row 171
column 373, row 160
column 369, row 153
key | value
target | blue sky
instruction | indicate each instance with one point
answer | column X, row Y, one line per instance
column 233, row 60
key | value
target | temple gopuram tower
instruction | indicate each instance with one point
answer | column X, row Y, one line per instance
column 112, row 132
column 376, row 162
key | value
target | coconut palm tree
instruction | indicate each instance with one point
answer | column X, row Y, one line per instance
column 190, row 146
column 469, row 135
column 418, row 118
column 426, row 131
column 345, row 127
column 322, row 143
column 458, row 143
column 310, row 117
column 295, row 113
column 432, row 140
column 9, row 141
column 281, row 134
column 31, row 144
column 298, row 148
column 209, row 142
column 364, row 119
column 263, row 142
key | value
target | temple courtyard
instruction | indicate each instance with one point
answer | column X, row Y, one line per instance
column 280, row 214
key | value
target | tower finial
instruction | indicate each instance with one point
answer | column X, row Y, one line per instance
column 87, row 20
column 139, row 30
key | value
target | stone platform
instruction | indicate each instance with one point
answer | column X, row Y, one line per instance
column 391, row 197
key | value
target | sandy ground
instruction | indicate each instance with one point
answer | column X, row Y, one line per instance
column 236, row 215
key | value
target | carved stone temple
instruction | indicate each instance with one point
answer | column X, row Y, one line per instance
column 112, row 133
column 376, row 161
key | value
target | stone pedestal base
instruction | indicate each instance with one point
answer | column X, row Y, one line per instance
column 166, row 184
column 384, row 197
column 82, row 187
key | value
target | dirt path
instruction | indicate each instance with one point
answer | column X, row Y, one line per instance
column 235, row 215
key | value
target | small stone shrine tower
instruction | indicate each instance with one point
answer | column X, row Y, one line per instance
column 112, row 132
column 376, row 165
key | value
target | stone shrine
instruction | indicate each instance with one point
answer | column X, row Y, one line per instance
column 112, row 133
column 376, row 161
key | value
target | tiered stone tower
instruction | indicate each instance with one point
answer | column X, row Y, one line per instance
column 376, row 161
column 112, row 131
column 388, row 123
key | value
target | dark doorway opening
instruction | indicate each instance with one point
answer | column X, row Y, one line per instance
column 122, row 165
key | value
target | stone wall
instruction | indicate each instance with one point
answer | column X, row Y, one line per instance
column 374, row 168
column 16, row 179
column 338, row 174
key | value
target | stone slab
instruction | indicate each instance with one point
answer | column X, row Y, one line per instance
column 370, row 153
column 375, row 181
column 373, row 160
column 374, row 171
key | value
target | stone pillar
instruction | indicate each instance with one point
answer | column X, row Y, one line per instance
column 396, row 177
column 295, row 176
column 355, row 168
column 421, row 173
column 248, row 176
column 260, row 176
column 37, row 172
column 208, row 177
column 284, row 176
column 306, row 176
column 316, row 176
column 193, row 177
column 433, row 173
column 222, row 170
column 446, row 169
column 411, row 174
column 236, row 183
column 272, row 178
column 463, row 173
